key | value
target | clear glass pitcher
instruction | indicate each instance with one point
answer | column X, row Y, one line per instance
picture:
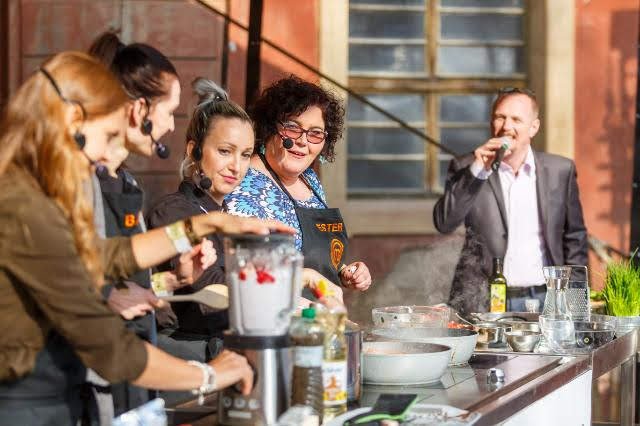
column 555, row 302
column 264, row 274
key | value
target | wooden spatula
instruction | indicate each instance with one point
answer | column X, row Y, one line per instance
column 215, row 296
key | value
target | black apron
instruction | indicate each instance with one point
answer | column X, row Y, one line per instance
column 324, row 234
column 122, row 206
column 53, row 393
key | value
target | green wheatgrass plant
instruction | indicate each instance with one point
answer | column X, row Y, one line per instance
column 622, row 289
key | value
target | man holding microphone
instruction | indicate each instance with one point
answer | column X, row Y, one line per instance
column 523, row 207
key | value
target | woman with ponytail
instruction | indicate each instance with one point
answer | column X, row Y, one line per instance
column 151, row 82
column 53, row 320
column 219, row 144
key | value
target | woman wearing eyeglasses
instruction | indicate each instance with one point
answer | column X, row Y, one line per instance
column 298, row 123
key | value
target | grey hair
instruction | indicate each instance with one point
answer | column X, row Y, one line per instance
column 213, row 102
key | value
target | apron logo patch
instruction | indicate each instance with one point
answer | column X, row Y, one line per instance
column 337, row 249
column 330, row 227
column 130, row 220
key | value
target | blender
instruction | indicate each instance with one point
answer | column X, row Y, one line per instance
column 264, row 275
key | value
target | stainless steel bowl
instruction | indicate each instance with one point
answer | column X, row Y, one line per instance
column 491, row 334
column 523, row 340
column 523, row 326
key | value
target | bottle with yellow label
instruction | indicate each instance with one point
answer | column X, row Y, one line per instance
column 497, row 288
column 334, row 364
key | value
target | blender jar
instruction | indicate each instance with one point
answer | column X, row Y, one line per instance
column 264, row 275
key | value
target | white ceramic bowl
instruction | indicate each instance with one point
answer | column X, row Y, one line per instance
column 403, row 363
column 462, row 342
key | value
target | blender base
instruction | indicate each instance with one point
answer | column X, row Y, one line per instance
column 270, row 357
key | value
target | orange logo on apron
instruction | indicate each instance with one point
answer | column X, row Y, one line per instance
column 130, row 220
column 337, row 249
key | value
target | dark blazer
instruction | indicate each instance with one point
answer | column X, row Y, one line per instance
column 479, row 204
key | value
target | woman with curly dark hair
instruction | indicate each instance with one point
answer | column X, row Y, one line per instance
column 297, row 123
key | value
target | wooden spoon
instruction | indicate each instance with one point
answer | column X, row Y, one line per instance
column 215, row 296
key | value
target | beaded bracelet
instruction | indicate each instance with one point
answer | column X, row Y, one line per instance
column 178, row 236
column 208, row 380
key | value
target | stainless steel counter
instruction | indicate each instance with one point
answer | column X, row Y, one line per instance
column 528, row 378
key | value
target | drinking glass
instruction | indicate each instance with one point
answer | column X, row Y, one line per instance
column 558, row 331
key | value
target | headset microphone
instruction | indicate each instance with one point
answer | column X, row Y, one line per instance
column 100, row 169
column 161, row 149
column 205, row 182
column 287, row 143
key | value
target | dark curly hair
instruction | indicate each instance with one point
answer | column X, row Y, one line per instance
column 292, row 96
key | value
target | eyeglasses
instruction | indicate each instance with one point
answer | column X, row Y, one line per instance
column 510, row 90
column 293, row 131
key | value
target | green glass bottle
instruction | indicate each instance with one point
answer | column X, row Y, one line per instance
column 497, row 288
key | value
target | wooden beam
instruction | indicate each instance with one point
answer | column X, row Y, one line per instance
column 253, row 52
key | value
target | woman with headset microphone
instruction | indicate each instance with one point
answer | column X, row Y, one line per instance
column 151, row 81
column 219, row 145
column 53, row 320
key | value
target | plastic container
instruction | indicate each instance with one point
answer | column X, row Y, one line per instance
column 307, row 337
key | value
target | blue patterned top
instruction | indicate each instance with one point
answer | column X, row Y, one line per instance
column 259, row 196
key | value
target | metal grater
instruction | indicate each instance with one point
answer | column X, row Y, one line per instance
column 577, row 294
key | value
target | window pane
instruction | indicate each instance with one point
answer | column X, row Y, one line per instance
column 481, row 3
column 444, row 167
column 455, row 60
column 402, row 175
column 463, row 141
column 484, row 27
column 465, row 108
column 390, row 24
column 379, row 58
column 390, row 2
column 383, row 141
column 406, row 107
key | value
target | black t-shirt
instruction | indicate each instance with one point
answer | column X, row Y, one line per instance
column 193, row 318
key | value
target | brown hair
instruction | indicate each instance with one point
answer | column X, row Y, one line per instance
column 213, row 103
column 142, row 69
column 34, row 138
column 292, row 96
column 510, row 91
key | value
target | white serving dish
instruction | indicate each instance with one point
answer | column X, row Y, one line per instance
column 403, row 363
column 462, row 342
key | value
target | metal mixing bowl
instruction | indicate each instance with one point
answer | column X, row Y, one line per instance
column 523, row 326
column 491, row 333
column 523, row 340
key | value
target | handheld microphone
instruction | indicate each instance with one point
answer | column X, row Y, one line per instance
column 287, row 143
column 495, row 165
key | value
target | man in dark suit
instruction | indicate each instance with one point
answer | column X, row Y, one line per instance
column 527, row 212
